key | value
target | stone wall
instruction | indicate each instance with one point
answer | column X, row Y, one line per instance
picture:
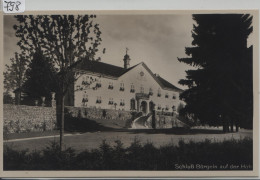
column 97, row 113
column 163, row 121
column 22, row 118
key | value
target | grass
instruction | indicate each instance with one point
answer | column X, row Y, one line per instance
column 137, row 156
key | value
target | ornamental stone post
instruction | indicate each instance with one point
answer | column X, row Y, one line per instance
column 53, row 102
column 36, row 102
column 43, row 101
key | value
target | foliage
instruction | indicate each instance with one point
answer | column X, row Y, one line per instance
column 220, row 89
column 41, row 79
column 180, row 107
column 7, row 98
column 134, row 157
column 63, row 39
column 14, row 75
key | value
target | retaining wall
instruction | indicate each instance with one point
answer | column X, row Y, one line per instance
column 22, row 118
column 96, row 113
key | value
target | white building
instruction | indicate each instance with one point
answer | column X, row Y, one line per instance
column 134, row 88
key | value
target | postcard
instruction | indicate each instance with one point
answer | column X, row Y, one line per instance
column 130, row 93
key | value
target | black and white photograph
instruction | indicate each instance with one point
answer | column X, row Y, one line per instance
column 119, row 91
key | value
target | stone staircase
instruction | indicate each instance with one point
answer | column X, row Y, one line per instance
column 142, row 122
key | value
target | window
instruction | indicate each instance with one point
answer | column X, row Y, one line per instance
column 142, row 89
column 167, row 107
column 99, row 100
column 159, row 92
column 111, row 101
column 132, row 90
column 122, row 87
column 166, row 95
column 110, row 86
column 132, row 103
column 83, row 80
column 174, row 97
column 84, row 99
column 122, row 102
column 150, row 91
column 98, row 85
column 159, row 107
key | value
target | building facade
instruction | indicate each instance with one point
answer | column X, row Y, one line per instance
column 135, row 88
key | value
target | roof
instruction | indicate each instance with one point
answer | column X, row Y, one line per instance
column 116, row 71
column 167, row 84
column 102, row 68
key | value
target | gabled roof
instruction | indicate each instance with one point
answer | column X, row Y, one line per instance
column 116, row 71
column 168, row 84
column 162, row 82
column 101, row 68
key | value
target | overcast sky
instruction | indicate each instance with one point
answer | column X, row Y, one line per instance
column 156, row 40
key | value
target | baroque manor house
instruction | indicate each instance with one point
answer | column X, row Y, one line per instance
column 135, row 88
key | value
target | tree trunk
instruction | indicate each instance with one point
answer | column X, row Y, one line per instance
column 62, row 124
column 19, row 97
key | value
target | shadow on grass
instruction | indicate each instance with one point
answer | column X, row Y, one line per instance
column 82, row 125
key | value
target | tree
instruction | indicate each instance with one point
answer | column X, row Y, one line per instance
column 218, row 89
column 41, row 78
column 14, row 76
column 65, row 40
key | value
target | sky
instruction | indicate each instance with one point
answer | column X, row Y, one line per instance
column 156, row 40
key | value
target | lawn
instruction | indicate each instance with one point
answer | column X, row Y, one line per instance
column 90, row 140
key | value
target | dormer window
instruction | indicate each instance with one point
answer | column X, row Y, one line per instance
column 122, row 87
column 110, row 86
column 132, row 90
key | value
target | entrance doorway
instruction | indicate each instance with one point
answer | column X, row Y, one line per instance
column 151, row 105
column 144, row 107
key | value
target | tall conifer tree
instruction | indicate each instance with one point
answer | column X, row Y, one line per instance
column 221, row 87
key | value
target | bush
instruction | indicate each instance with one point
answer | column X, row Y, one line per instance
column 134, row 157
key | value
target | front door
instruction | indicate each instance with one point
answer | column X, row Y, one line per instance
column 151, row 106
column 144, row 107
